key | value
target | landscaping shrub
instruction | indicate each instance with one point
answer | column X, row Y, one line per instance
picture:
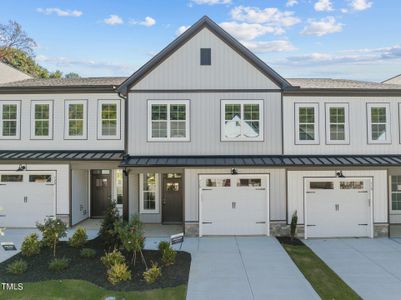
column 118, row 272
column 87, row 253
column 59, row 264
column 17, row 267
column 152, row 274
column 79, row 238
column 132, row 238
column 112, row 258
column 163, row 245
column 52, row 230
column 107, row 230
column 31, row 245
column 168, row 256
column 293, row 226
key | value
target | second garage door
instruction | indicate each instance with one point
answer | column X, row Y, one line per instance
column 234, row 205
column 26, row 198
column 338, row 207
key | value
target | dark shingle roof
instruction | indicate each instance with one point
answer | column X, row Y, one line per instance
column 67, row 82
column 328, row 83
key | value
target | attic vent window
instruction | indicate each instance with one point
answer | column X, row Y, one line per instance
column 205, row 56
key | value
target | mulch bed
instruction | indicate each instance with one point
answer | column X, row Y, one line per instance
column 287, row 240
column 92, row 270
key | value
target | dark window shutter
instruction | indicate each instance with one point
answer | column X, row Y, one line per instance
column 205, row 56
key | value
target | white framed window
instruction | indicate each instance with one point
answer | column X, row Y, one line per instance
column 242, row 120
column 307, row 123
column 10, row 122
column 149, row 193
column 109, row 120
column 379, row 123
column 168, row 120
column 337, row 123
column 42, row 119
column 75, row 116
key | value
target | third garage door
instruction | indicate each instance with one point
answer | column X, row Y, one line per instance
column 234, row 204
column 338, row 207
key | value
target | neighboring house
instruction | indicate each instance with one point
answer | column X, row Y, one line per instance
column 208, row 136
column 393, row 80
column 10, row 74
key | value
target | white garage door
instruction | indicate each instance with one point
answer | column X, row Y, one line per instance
column 234, row 205
column 26, row 198
column 339, row 207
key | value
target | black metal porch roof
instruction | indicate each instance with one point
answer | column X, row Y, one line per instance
column 61, row 155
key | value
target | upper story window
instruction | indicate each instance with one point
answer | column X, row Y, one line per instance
column 205, row 56
column 75, row 119
column 109, row 119
column 306, row 123
column 168, row 120
column 10, row 119
column 379, row 123
column 337, row 126
column 42, row 120
column 242, row 120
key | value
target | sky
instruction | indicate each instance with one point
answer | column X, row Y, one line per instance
column 350, row 39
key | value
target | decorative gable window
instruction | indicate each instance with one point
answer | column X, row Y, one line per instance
column 306, row 123
column 10, row 120
column 149, row 193
column 379, row 123
column 337, row 126
column 109, row 119
column 42, row 120
column 205, row 56
column 168, row 120
column 75, row 119
column 242, row 120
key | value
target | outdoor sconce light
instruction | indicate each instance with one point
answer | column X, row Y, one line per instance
column 234, row 171
column 339, row 174
column 21, row 168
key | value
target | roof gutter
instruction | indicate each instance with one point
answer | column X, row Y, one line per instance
column 341, row 92
column 57, row 89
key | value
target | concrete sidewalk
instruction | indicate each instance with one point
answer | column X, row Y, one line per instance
column 242, row 268
column 371, row 267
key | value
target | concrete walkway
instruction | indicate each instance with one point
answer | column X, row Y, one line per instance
column 242, row 268
column 371, row 267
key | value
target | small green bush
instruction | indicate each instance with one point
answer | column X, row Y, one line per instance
column 52, row 230
column 31, row 245
column 59, row 264
column 152, row 274
column 293, row 226
column 163, row 245
column 87, row 253
column 168, row 256
column 79, row 238
column 118, row 272
column 17, row 267
column 107, row 230
column 112, row 258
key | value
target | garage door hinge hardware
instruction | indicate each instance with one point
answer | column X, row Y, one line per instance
column 363, row 224
column 207, row 222
column 364, row 192
column 309, row 225
column 309, row 192
column 261, row 189
column 2, row 184
column 206, row 189
column 2, row 216
column 263, row 222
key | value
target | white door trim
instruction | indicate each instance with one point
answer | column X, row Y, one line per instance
column 370, row 178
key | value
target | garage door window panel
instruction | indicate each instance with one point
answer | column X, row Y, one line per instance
column 11, row 178
column 10, row 119
column 168, row 120
column 249, row 182
column 351, row 185
column 218, row 182
column 378, row 123
column 396, row 193
column 242, row 120
column 40, row 178
column 306, row 119
column 42, row 116
column 149, row 200
column 321, row 185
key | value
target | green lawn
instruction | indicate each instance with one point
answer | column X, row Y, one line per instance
column 79, row 289
column 325, row 282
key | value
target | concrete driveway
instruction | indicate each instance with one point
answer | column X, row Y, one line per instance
column 242, row 268
column 371, row 267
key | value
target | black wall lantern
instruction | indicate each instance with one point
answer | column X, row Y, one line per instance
column 339, row 174
column 234, row 171
column 21, row 168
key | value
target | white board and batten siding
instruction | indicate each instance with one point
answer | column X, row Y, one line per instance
column 58, row 140
column 296, row 192
column 80, row 195
column 277, row 194
column 182, row 69
column 358, row 126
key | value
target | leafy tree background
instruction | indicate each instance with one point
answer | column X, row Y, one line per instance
column 17, row 50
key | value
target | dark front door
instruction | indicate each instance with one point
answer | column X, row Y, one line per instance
column 100, row 192
column 172, row 196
